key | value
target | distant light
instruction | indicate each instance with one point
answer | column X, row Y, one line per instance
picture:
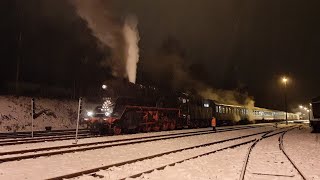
column 308, row 110
column 89, row 113
column 285, row 80
column 305, row 108
column 310, row 104
column 206, row 105
column 107, row 114
column 300, row 107
column 104, row 86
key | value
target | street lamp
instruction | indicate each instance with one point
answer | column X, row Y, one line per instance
column 310, row 108
column 285, row 81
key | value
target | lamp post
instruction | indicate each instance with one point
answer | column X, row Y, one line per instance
column 285, row 81
column 310, row 109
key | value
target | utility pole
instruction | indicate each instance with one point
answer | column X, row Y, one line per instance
column 310, row 109
column 33, row 107
column 78, row 119
column 285, row 80
column 285, row 101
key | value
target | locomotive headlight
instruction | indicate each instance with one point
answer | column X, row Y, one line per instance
column 90, row 113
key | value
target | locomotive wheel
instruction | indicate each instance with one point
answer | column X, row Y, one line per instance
column 146, row 128
column 164, row 126
column 156, row 128
column 172, row 126
column 116, row 130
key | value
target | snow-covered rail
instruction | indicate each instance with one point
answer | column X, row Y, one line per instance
column 243, row 140
column 284, row 152
column 44, row 138
column 59, row 135
column 58, row 150
column 27, row 134
column 280, row 139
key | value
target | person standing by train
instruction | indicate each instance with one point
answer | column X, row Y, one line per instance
column 214, row 124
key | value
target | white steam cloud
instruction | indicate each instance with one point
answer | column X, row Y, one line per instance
column 132, row 38
column 169, row 67
column 107, row 29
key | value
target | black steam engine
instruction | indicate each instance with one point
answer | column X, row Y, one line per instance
column 126, row 106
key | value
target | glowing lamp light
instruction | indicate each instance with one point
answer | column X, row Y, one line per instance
column 284, row 80
column 104, row 86
column 89, row 113
column 300, row 107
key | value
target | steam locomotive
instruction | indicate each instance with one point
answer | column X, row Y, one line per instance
column 125, row 106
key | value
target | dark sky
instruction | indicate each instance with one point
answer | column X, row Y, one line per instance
column 233, row 43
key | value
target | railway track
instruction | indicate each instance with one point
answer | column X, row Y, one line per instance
column 57, row 150
column 248, row 139
column 281, row 147
column 27, row 134
column 82, row 134
column 43, row 139
column 284, row 152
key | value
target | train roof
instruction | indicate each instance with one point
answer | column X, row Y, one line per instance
column 230, row 105
column 243, row 106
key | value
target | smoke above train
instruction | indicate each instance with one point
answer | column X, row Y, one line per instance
column 168, row 68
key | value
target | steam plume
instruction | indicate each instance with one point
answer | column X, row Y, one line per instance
column 131, row 38
column 107, row 29
column 169, row 68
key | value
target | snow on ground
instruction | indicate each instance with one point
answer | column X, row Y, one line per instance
column 201, row 168
column 303, row 147
column 46, row 167
column 225, row 164
column 268, row 162
column 15, row 113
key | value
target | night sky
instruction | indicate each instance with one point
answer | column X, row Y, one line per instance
column 226, row 44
